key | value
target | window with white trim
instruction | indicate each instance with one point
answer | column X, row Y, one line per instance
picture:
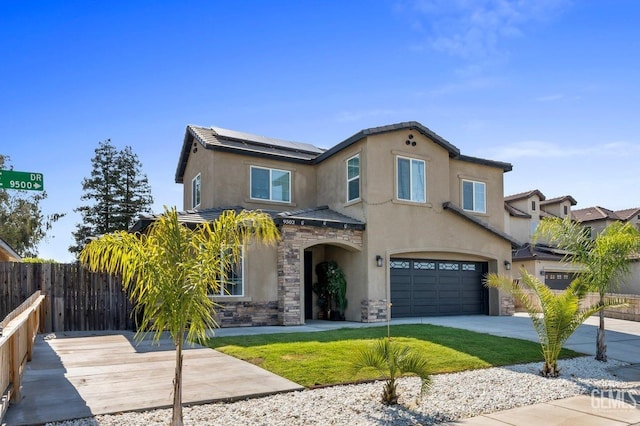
column 270, row 184
column 474, row 197
column 195, row 191
column 232, row 283
column 411, row 179
column 353, row 178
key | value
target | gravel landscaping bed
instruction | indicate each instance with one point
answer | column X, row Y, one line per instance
column 451, row 397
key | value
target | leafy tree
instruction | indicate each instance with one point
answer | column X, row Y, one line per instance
column 561, row 313
column 171, row 270
column 393, row 360
column 22, row 223
column 603, row 261
column 118, row 192
column 133, row 194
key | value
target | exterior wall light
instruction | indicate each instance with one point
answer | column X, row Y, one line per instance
column 507, row 265
column 379, row 261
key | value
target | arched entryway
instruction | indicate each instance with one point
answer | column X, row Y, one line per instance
column 302, row 247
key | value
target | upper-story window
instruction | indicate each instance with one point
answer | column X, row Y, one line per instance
column 353, row 178
column 412, row 182
column 195, row 191
column 270, row 184
column 533, row 205
column 566, row 210
column 474, row 196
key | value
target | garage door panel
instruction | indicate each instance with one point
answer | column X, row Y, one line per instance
column 449, row 280
column 449, row 294
column 430, row 287
column 425, row 294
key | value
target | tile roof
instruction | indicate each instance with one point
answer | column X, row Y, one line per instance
column 516, row 212
column 524, row 195
column 537, row 252
column 457, row 210
column 627, row 214
column 557, row 200
column 320, row 216
column 249, row 144
column 590, row 214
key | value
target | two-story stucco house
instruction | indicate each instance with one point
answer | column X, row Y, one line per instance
column 413, row 223
column 523, row 212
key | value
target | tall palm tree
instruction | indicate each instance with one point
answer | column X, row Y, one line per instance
column 393, row 360
column 603, row 260
column 171, row 270
column 555, row 316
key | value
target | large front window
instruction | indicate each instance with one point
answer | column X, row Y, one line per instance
column 353, row 178
column 270, row 184
column 411, row 180
column 474, row 196
column 232, row 281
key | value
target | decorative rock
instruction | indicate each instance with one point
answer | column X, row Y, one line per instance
column 451, row 397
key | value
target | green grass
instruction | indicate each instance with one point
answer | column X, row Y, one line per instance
column 325, row 358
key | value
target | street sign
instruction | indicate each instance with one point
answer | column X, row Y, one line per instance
column 10, row 179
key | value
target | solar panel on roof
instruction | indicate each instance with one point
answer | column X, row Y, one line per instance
column 266, row 140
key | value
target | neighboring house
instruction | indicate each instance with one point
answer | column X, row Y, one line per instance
column 413, row 223
column 523, row 213
column 595, row 219
column 7, row 253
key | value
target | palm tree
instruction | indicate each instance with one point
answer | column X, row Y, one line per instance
column 604, row 260
column 392, row 361
column 555, row 316
column 171, row 270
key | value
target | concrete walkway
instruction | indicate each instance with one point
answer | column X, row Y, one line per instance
column 83, row 374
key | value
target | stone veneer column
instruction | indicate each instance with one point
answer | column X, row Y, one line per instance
column 290, row 281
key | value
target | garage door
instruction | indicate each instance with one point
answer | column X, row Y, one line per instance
column 437, row 287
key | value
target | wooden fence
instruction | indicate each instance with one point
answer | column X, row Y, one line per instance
column 18, row 331
column 75, row 299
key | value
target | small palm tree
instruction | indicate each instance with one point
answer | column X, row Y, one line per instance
column 171, row 271
column 603, row 261
column 555, row 316
column 393, row 360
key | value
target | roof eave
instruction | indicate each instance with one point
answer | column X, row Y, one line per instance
column 407, row 125
column 448, row 205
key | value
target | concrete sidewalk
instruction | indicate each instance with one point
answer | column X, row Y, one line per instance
column 623, row 344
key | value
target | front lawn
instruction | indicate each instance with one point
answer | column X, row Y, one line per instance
column 325, row 358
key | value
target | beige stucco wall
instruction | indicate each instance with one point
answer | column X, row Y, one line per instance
column 423, row 230
column 493, row 179
column 557, row 209
column 394, row 228
column 519, row 228
column 225, row 181
column 630, row 284
column 332, row 181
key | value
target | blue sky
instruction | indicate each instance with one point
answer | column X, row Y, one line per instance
column 550, row 86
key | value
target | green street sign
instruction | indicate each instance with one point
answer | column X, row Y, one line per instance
column 10, row 179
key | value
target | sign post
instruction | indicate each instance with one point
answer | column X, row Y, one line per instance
column 10, row 179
